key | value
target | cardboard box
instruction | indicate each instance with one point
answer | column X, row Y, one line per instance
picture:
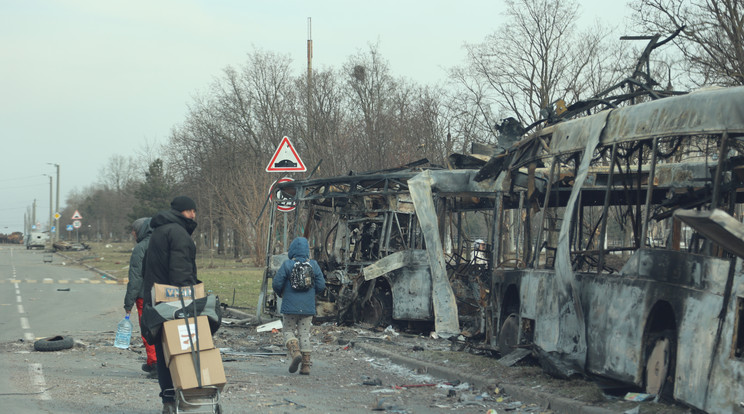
column 212, row 372
column 176, row 336
column 168, row 293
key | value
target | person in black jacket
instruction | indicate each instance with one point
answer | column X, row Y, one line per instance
column 170, row 260
column 141, row 231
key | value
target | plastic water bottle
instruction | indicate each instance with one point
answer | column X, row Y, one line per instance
column 123, row 333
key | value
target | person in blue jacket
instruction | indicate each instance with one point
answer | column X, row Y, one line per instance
column 298, row 307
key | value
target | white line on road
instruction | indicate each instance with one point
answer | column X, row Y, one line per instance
column 18, row 299
column 25, row 324
column 29, row 336
column 20, row 309
column 37, row 377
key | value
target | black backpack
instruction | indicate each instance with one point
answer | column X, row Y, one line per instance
column 301, row 277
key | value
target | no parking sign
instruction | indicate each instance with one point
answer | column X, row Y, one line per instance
column 283, row 201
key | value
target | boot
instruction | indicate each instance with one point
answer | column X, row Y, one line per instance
column 305, row 369
column 294, row 354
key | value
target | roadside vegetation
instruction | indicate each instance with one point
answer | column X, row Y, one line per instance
column 237, row 284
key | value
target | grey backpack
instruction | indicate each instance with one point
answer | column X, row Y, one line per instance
column 301, row 276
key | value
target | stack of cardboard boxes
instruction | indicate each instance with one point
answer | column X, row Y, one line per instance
column 185, row 347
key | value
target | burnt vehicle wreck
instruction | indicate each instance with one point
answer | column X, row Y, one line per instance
column 609, row 245
column 369, row 233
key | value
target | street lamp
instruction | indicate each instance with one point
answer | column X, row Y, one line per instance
column 50, row 207
column 56, row 224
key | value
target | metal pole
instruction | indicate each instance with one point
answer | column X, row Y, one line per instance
column 538, row 245
column 649, row 192
column 51, row 206
column 56, row 223
column 605, row 210
column 56, row 208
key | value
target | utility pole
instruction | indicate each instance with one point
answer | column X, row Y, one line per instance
column 309, row 77
column 56, row 208
column 51, row 207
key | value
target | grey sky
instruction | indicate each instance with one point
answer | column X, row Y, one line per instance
column 82, row 80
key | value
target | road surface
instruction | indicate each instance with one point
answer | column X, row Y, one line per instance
column 41, row 299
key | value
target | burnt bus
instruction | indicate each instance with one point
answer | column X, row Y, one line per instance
column 607, row 245
column 630, row 262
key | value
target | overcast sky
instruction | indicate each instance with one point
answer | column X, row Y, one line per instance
column 83, row 80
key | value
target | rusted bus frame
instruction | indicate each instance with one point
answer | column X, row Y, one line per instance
column 711, row 112
column 356, row 185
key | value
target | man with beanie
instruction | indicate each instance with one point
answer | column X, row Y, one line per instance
column 141, row 231
column 170, row 260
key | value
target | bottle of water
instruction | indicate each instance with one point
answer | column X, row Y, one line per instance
column 123, row 333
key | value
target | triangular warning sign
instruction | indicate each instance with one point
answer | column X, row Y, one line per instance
column 77, row 216
column 285, row 158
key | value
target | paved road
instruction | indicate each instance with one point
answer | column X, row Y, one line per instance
column 41, row 299
column 38, row 299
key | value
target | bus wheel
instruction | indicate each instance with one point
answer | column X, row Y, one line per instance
column 659, row 372
column 509, row 334
column 378, row 311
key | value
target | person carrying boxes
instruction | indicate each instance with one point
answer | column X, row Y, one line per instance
column 170, row 260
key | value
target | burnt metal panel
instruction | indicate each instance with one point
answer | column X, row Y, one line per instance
column 411, row 288
column 709, row 111
column 570, row 341
column 446, row 321
column 617, row 307
column 680, row 268
column 725, row 388
column 576, row 135
column 716, row 225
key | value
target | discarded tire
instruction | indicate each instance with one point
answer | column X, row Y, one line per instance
column 54, row 343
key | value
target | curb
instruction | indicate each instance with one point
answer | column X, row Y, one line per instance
column 89, row 267
column 553, row 402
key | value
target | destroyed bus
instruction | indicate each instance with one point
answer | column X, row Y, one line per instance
column 613, row 247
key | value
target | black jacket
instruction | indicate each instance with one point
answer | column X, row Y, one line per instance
column 171, row 255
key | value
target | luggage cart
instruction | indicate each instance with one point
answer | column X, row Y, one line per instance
column 204, row 398
column 198, row 400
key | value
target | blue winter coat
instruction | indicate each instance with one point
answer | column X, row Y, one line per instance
column 295, row 302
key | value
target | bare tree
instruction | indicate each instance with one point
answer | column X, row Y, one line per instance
column 536, row 58
column 711, row 39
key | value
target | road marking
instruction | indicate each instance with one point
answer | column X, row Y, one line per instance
column 37, row 377
column 20, row 309
column 29, row 336
column 82, row 280
column 19, row 299
column 25, row 324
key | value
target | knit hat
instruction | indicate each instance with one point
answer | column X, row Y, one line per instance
column 183, row 203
